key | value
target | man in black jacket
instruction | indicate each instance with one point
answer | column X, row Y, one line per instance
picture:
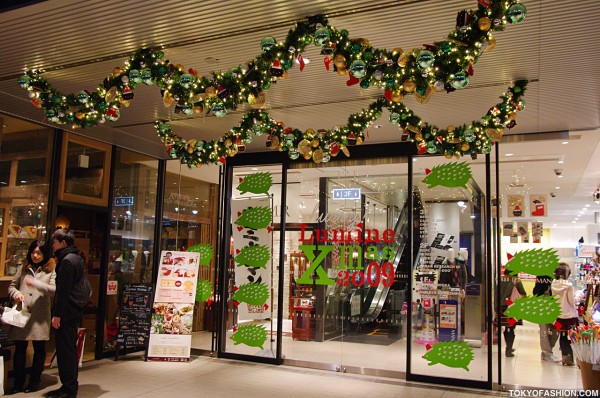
column 66, row 315
column 548, row 333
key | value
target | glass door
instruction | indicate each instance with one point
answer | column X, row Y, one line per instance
column 449, row 276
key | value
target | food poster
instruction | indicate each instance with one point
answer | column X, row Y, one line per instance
column 425, row 283
column 537, row 230
column 516, row 206
column 523, row 231
column 538, row 203
column 173, row 307
column 507, row 228
column 252, row 251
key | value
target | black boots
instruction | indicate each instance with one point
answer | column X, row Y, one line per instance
column 509, row 338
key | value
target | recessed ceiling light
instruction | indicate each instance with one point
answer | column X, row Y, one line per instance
column 561, row 161
column 588, row 205
column 574, row 222
column 509, row 154
column 556, row 187
column 560, row 176
column 565, row 142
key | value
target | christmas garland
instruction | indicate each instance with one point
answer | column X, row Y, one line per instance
column 444, row 65
column 322, row 145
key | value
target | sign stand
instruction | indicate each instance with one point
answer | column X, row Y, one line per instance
column 135, row 311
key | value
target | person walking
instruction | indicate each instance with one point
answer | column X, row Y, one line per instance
column 33, row 287
column 66, row 313
column 511, row 288
column 562, row 289
column 548, row 333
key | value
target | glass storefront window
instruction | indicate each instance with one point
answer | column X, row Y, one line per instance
column 131, row 231
column 24, row 185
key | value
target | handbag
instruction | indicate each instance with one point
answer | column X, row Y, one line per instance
column 12, row 316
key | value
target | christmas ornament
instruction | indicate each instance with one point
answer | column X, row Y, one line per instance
column 113, row 113
column 339, row 61
column 358, row 68
column 423, row 96
column 267, row 43
column 409, row 86
column 322, row 36
column 459, row 80
column 516, row 13
column 395, row 118
column 83, row 97
column 146, row 76
column 484, row 24
column 425, row 59
column 219, row 109
column 258, row 101
column 276, row 69
column 469, row 135
column 186, row 80
column 127, row 93
column 24, row 81
column 135, row 76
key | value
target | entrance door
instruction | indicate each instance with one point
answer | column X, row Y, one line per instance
column 89, row 228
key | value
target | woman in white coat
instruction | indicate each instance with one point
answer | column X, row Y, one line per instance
column 562, row 289
column 33, row 287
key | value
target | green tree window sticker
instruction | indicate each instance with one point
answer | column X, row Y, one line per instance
column 253, row 256
column 536, row 309
column 255, row 217
column 203, row 290
column 206, row 253
column 538, row 262
column 252, row 335
column 256, row 183
column 454, row 354
column 252, row 293
column 450, row 175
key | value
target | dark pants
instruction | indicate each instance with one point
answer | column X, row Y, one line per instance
column 66, row 355
column 37, row 365
column 565, row 344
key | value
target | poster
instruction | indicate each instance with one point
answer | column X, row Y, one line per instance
column 173, row 307
column 516, row 206
column 523, row 231
column 252, row 248
column 538, row 203
column 507, row 228
column 425, row 283
column 135, row 314
column 537, row 230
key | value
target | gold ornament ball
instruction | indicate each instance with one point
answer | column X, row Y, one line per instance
column 342, row 71
column 397, row 52
column 451, row 128
column 448, row 155
column 339, row 61
column 284, row 76
column 464, row 146
column 491, row 43
column 396, row 96
column 512, row 116
column 409, row 86
column 210, row 91
column 419, row 137
column 282, row 124
column 198, row 110
column 359, row 140
column 228, row 142
column 79, row 115
column 403, row 59
column 308, row 156
column 180, row 67
column 484, row 24
column 457, row 155
column 315, row 143
column 310, row 132
column 116, row 71
column 318, row 156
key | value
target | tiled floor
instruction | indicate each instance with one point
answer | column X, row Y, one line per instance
column 215, row 378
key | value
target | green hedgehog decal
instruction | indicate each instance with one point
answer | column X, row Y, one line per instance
column 255, row 217
column 256, row 183
column 449, row 175
column 203, row 290
column 206, row 253
column 538, row 262
column 252, row 335
column 252, row 293
column 536, row 309
column 254, row 256
column 454, row 354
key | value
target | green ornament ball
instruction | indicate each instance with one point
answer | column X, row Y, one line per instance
column 83, row 97
column 446, row 47
column 146, row 76
column 520, row 104
column 186, row 80
column 135, row 76
column 219, row 109
column 257, row 130
column 293, row 154
column 364, row 84
column 267, row 43
column 322, row 36
column 459, row 80
column 355, row 48
column 431, row 147
column 164, row 128
column 368, row 56
column 188, row 110
column 287, row 64
column 425, row 59
column 469, row 135
column 516, row 13
column 266, row 84
column 395, row 118
column 486, row 148
column 344, row 32
column 248, row 139
column 307, row 40
column 159, row 54
column 358, row 68
column 24, row 81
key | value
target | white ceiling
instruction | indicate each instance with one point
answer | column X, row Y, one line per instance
column 557, row 48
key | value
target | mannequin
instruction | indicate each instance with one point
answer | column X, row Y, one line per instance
column 562, row 289
column 454, row 273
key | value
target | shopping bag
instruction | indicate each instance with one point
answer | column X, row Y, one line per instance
column 80, row 345
column 14, row 317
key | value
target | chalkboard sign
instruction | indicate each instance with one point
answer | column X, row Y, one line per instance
column 135, row 314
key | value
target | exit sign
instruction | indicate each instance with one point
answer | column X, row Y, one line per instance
column 346, row 193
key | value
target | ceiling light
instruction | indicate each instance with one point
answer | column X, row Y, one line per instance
column 254, row 169
column 556, row 187
column 588, row 205
column 194, row 212
column 510, row 154
column 574, row 222
column 460, row 203
column 560, row 161
column 565, row 142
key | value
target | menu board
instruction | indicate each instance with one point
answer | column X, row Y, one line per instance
column 173, row 308
column 135, row 314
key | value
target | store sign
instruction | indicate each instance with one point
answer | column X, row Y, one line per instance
column 123, row 201
column 347, row 193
